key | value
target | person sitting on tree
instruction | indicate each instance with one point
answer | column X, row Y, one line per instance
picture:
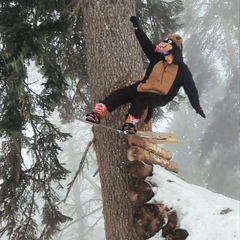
column 164, row 76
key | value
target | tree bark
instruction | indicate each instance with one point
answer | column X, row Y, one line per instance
column 113, row 61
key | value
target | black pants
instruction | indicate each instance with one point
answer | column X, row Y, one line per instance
column 140, row 101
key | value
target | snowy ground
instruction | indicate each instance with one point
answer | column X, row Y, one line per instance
column 204, row 214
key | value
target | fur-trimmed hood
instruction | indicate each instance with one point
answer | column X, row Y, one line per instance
column 172, row 44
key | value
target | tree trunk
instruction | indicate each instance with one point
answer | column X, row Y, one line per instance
column 113, row 61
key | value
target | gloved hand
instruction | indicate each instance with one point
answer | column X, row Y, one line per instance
column 134, row 21
column 200, row 112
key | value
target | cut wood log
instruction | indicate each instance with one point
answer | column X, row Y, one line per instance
column 171, row 224
column 148, row 219
column 139, row 169
column 167, row 135
column 158, row 138
column 140, row 154
column 140, row 192
column 153, row 148
column 143, row 155
column 178, row 234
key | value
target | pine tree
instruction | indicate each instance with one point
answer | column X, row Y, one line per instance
column 48, row 34
column 113, row 61
column 221, row 140
column 30, row 168
column 212, row 53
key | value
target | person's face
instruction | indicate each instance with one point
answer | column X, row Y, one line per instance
column 169, row 58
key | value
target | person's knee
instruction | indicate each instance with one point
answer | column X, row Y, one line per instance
column 141, row 100
column 138, row 106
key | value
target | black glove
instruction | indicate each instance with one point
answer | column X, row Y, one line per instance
column 134, row 21
column 200, row 112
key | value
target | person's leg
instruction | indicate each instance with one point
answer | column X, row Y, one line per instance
column 99, row 112
column 117, row 98
column 138, row 106
column 120, row 97
column 144, row 101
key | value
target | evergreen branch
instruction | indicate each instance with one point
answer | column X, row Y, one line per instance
column 85, row 216
column 80, row 167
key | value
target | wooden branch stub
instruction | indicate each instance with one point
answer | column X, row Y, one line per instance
column 140, row 154
column 153, row 148
column 148, row 219
column 139, row 169
column 140, row 192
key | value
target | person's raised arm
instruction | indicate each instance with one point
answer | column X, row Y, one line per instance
column 147, row 46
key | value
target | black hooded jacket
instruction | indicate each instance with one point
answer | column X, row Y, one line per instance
column 183, row 79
